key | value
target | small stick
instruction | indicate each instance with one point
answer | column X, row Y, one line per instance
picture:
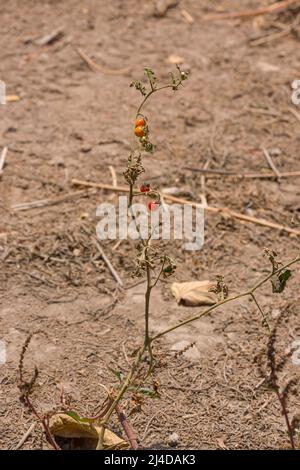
column 237, row 215
column 109, row 265
column 285, row 30
column 50, row 38
column 25, row 436
column 221, row 210
column 275, row 7
column 187, row 16
column 218, row 173
column 113, row 175
column 212, row 171
column 97, row 68
column 270, row 162
column 116, row 245
column 50, row 202
column 271, row 37
column 148, row 424
column 2, row 159
column 202, row 181
column 127, row 428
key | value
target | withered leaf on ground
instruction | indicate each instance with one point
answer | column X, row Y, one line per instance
column 194, row 293
column 62, row 425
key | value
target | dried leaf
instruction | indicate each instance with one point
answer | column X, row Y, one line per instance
column 63, row 425
column 194, row 293
column 175, row 59
column 12, row 98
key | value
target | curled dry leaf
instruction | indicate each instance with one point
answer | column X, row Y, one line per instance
column 175, row 59
column 12, row 98
column 81, row 433
column 194, row 293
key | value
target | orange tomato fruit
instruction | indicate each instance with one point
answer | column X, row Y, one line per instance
column 139, row 131
column 140, row 122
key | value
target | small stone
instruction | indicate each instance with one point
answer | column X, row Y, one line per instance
column 275, row 152
column 173, row 439
column 266, row 67
column 275, row 313
column 86, row 149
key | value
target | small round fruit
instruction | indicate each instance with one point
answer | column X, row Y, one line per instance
column 139, row 131
column 140, row 122
column 153, row 205
column 145, row 188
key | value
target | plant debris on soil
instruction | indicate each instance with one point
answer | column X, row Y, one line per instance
column 71, row 120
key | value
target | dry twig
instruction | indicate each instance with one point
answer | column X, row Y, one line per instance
column 270, row 162
column 2, row 160
column 218, row 173
column 51, row 201
column 217, row 210
column 25, row 436
column 109, row 265
column 96, row 67
column 273, row 8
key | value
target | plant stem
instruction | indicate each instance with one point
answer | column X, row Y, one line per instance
column 286, row 416
column 147, row 305
column 119, row 396
column 142, row 350
column 264, row 317
column 130, row 196
column 127, row 428
column 229, row 299
column 153, row 90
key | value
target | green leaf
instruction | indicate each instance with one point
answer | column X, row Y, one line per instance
column 151, row 77
column 116, row 373
column 138, row 86
column 149, row 392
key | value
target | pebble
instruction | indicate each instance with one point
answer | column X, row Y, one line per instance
column 173, row 439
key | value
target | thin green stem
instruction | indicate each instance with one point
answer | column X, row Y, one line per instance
column 130, row 196
column 153, row 90
column 145, row 347
column 225, row 301
column 160, row 273
column 263, row 281
column 264, row 317
column 119, row 396
column 147, row 303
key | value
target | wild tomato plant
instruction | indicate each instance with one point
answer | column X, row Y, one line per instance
column 154, row 263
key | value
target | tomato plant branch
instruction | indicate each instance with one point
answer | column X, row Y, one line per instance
column 249, row 292
column 119, row 396
column 264, row 317
column 153, row 90
column 140, row 354
column 145, row 260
